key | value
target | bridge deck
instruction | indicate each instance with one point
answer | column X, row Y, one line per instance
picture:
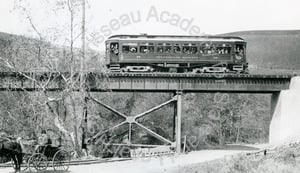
column 152, row 82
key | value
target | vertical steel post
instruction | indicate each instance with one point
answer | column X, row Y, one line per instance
column 129, row 132
column 174, row 120
column 85, row 112
column 178, row 122
column 85, row 124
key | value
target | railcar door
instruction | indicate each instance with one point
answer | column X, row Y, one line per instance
column 240, row 49
column 113, row 51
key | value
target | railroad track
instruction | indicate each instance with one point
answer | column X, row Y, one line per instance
column 201, row 75
column 81, row 162
column 156, row 74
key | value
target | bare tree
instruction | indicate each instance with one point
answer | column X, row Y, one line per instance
column 59, row 60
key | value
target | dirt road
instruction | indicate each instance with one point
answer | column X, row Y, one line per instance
column 167, row 164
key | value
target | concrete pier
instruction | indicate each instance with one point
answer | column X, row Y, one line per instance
column 285, row 124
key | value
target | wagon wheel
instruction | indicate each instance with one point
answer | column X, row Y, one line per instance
column 37, row 161
column 61, row 160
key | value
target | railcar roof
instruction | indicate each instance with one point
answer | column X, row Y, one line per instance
column 174, row 38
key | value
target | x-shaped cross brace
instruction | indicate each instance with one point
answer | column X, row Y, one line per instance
column 133, row 120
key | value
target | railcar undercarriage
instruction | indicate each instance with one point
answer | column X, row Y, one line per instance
column 179, row 68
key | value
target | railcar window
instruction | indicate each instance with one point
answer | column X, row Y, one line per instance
column 177, row 48
column 164, row 48
column 159, row 48
column 190, row 48
column 167, row 48
column 129, row 48
column 144, row 49
column 208, row 49
column 147, row 48
column 194, row 49
column 125, row 49
column 223, row 49
column 151, row 47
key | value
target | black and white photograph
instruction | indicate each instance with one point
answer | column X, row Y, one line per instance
column 153, row 86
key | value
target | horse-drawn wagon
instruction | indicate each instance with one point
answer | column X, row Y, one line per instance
column 27, row 155
column 39, row 158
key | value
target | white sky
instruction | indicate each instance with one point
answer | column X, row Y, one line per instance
column 211, row 16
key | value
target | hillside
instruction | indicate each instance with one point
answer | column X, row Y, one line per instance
column 29, row 54
column 276, row 50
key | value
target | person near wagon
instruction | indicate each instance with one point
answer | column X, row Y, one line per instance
column 43, row 141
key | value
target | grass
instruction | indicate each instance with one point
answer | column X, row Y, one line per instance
column 284, row 159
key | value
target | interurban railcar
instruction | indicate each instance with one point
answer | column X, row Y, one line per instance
column 169, row 53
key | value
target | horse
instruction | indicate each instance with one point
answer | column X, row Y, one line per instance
column 12, row 150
